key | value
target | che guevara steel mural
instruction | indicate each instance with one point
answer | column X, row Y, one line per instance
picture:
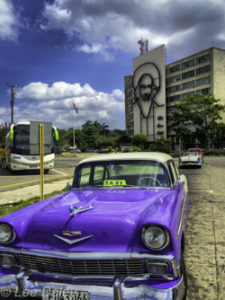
column 146, row 81
column 146, row 86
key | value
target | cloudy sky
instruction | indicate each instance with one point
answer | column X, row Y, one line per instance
column 61, row 52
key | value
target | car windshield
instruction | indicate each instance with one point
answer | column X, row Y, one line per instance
column 21, row 140
column 195, row 151
column 120, row 174
column 185, row 153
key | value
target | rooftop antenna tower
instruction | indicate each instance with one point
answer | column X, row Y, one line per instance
column 143, row 46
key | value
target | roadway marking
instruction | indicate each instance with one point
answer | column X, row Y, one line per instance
column 36, row 180
column 60, row 172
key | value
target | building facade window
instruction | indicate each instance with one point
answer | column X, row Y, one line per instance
column 203, row 58
column 171, row 108
column 188, row 74
column 173, row 89
column 188, row 94
column 201, row 70
column 174, row 69
column 173, row 98
column 130, row 124
column 129, row 85
column 130, row 108
column 173, row 79
column 188, row 64
column 203, row 91
column 130, row 117
column 202, row 81
column 188, row 84
column 130, row 101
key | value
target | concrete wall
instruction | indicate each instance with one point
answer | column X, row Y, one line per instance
column 219, row 76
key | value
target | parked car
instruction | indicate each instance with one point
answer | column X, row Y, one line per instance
column 75, row 151
column 118, row 233
column 199, row 150
column 190, row 158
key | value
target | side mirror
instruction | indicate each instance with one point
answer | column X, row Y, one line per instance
column 181, row 183
column 68, row 186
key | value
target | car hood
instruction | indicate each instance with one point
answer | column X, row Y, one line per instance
column 103, row 221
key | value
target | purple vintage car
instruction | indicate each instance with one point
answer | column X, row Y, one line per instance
column 118, row 233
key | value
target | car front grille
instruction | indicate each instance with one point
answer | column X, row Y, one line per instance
column 82, row 267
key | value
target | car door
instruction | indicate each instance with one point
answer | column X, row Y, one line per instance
column 178, row 217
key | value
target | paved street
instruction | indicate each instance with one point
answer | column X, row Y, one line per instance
column 64, row 167
column 205, row 237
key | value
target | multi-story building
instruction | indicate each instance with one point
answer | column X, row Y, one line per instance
column 200, row 73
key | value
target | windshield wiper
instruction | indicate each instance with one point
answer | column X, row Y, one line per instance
column 133, row 186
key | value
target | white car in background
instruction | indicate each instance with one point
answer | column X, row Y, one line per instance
column 190, row 159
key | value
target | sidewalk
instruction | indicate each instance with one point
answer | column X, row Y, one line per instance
column 32, row 191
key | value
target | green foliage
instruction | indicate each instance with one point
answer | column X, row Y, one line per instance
column 123, row 139
column 193, row 118
column 9, row 208
column 91, row 135
column 217, row 135
column 126, row 149
column 136, row 149
column 2, row 136
column 161, row 145
column 139, row 140
column 214, row 152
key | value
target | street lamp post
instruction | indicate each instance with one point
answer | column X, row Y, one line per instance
column 74, row 145
column 12, row 88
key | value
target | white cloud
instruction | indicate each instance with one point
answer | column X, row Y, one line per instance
column 8, row 21
column 55, row 104
column 96, row 48
column 115, row 24
column 3, row 110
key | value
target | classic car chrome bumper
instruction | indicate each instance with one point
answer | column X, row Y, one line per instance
column 22, row 285
column 31, row 282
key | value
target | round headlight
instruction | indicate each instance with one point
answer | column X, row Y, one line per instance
column 155, row 237
column 7, row 233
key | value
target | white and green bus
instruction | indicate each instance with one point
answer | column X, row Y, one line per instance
column 22, row 151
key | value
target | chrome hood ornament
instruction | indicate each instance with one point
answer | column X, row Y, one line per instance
column 77, row 210
column 72, row 242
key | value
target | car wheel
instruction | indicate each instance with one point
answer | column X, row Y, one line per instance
column 184, row 274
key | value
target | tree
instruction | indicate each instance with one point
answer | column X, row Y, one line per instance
column 2, row 136
column 139, row 140
column 193, row 116
column 217, row 135
column 161, row 145
column 90, row 134
column 123, row 139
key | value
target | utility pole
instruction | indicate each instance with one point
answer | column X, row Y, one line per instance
column 12, row 88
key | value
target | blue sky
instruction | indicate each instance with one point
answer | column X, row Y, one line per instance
column 61, row 52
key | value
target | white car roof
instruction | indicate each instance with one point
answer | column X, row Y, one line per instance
column 157, row 156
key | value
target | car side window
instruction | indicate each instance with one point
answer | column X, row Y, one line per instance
column 98, row 174
column 172, row 173
column 84, row 176
column 175, row 170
